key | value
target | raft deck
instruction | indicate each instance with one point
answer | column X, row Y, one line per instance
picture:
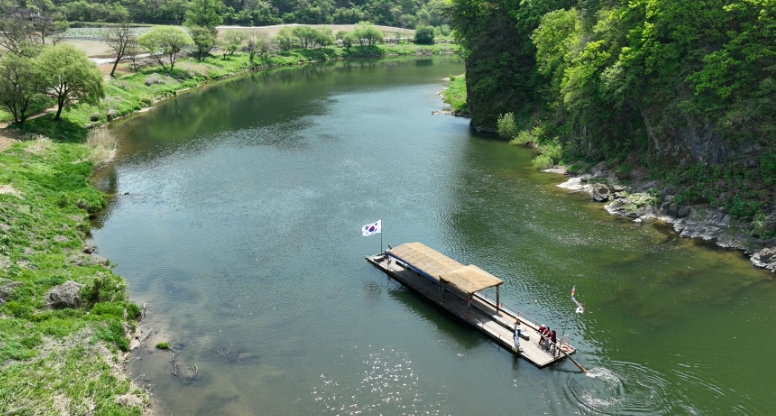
column 483, row 313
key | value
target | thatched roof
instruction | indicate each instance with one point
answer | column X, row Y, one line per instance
column 470, row 279
column 437, row 266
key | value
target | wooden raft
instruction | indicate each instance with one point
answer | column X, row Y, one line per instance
column 497, row 323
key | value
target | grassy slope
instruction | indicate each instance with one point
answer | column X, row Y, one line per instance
column 57, row 361
column 455, row 94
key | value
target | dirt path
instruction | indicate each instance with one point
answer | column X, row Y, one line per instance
column 6, row 141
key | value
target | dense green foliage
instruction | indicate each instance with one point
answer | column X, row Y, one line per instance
column 53, row 356
column 408, row 13
column 165, row 41
column 660, row 83
column 67, row 75
column 60, row 72
column 424, row 35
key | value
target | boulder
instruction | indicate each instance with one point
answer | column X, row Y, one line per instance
column 111, row 114
column 683, row 211
column 94, row 117
column 153, row 80
column 600, row 192
column 712, row 226
column 672, row 210
column 66, row 295
column 6, row 289
column 765, row 258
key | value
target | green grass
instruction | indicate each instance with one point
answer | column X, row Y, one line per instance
column 163, row 346
column 455, row 94
column 49, row 357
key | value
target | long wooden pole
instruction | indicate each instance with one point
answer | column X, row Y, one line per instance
column 573, row 361
column 381, row 235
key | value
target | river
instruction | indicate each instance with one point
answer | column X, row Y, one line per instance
column 238, row 223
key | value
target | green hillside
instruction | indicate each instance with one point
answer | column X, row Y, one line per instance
column 686, row 89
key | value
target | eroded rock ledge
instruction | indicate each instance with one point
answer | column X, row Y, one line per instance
column 650, row 200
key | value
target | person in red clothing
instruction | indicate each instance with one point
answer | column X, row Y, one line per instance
column 553, row 346
column 544, row 332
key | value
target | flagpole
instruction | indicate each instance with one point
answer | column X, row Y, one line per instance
column 381, row 235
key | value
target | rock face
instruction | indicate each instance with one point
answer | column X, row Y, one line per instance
column 706, row 225
column 638, row 203
column 765, row 258
column 66, row 295
column 6, row 289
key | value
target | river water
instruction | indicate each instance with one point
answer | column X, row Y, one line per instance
column 241, row 232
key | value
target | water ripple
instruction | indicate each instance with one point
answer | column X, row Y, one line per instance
column 625, row 389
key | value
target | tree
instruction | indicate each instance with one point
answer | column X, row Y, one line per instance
column 205, row 13
column 132, row 51
column 50, row 24
column 232, row 41
column 367, row 34
column 424, row 35
column 17, row 36
column 67, row 75
column 285, row 38
column 324, row 37
column 346, row 38
column 19, row 85
column 204, row 40
column 117, row 38
column 305, row 34
column 165, row 41
column 258, row 43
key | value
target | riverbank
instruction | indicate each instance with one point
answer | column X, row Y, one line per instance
column 132, row 92
column 65, row 320
column 649, row 199
column 633, row 193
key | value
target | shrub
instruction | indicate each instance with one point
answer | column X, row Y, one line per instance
column 133, row 311
column 424, row 35
column 103, row 144
column 506, row 125
column 542, row 162
column 163, row 345
column 532, row 136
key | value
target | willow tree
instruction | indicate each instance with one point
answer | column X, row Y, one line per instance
column 165, row 41
column 67, row 75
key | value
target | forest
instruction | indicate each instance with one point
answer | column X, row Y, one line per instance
column 405, row 13
column 686, row 89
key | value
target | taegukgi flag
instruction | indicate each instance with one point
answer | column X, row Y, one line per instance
column 371, row 229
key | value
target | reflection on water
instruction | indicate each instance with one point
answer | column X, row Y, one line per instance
column 238, row 222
